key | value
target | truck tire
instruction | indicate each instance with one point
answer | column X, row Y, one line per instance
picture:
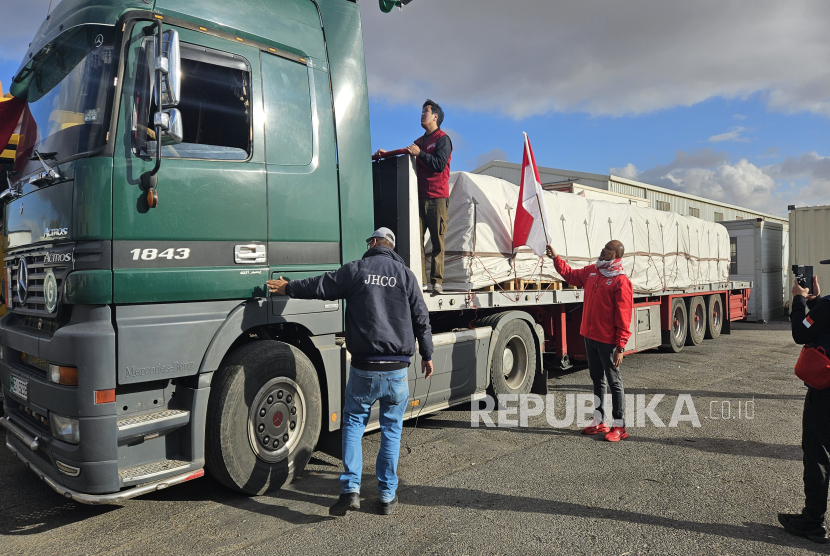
column 514, row 359
column 263, row 417
column 675, row 337
column 697, row 321
column 714, row 313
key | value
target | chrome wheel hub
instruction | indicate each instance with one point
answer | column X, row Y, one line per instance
column 514, row 362
column 276, row 419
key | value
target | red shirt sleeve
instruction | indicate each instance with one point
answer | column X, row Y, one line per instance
column 624, row 298
column 571, row 276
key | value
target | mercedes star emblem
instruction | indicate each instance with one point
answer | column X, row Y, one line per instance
column 22, row 281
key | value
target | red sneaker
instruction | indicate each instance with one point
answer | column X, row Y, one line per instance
column 596, row 429
column 616, row 434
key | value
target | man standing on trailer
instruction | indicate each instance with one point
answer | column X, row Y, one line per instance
column 606, row 318
column 433, row 152
column 385, row 306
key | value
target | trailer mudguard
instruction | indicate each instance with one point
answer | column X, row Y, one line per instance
column 497, row 322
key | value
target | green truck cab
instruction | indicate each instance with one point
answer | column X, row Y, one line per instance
column 121, row 314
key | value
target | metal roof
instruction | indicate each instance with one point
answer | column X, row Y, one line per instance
column 607, row 178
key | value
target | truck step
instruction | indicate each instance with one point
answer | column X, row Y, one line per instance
column 150, row 470
column 158, row 422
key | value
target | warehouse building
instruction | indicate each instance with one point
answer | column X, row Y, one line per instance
column 759, row 241
column 658, row 198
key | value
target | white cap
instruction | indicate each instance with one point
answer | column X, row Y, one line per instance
column 383, row 233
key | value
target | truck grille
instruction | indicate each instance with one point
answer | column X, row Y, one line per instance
column 34, row 304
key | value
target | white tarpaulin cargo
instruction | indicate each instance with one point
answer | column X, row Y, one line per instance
column 663, row 250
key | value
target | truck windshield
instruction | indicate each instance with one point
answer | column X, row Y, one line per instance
column 68, row 86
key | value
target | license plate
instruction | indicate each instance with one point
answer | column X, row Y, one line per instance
column 19, row 387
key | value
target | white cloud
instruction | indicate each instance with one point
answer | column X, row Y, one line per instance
column 629, row 171
column 458, row 141
column 811, row 168
column 492, row 154
column 742, row 184
column 529, row 57
column 739, row 116
column 732, row 135
column 710, row 174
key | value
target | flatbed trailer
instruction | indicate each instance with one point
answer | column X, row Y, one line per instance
column 140, row 348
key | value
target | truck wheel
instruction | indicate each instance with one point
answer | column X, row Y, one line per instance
column 714, row 311
column 514, row 359
column 263, row 417
column 675, row 337
column 697, row 321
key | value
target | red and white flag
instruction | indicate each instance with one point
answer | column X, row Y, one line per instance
column 530, row 226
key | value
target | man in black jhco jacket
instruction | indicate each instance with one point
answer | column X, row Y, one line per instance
column 385, row 313
column 812, row 328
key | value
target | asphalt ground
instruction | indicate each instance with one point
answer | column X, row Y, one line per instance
column 713, row 489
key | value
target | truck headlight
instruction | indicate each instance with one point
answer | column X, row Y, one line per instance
column 65, row 428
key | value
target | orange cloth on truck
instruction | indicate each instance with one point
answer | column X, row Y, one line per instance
column 606, row 311
column 10, row 110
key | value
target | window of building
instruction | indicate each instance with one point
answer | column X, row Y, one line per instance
column 663, row 205
column 694, row 212
column 215, row 106
column 739, row 218
column 733, row 255
column 718, row 217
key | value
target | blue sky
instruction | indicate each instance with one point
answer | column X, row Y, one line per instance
column 725, row 99
column 581, row 142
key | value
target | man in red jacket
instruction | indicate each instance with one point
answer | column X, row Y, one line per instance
column 606, row 318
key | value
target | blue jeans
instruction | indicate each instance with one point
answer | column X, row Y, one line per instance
column 364, row 389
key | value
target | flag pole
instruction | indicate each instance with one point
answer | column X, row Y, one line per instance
column 538, row 201
column 542, row 216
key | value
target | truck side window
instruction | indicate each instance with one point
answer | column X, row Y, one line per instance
column 215, row 106
column 288, row 139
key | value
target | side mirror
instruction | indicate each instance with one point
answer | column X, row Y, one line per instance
column 168, row 68
column 170, row 124
column 167, row 88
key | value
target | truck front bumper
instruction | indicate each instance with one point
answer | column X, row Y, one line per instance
column 98, row 499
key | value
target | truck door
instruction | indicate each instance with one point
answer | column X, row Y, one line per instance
column 303, row 199
column 211, row 186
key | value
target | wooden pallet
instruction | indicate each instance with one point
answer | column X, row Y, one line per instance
column 520, row 284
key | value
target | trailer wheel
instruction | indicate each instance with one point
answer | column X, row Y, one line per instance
column 697, row 321
column 263, row 417
column 514, row 359
column 675, row 337
column 714, row 312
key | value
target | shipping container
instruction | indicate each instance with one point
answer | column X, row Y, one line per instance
column 809, row 243
column 759, row 253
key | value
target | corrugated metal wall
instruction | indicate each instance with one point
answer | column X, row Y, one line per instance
column 772, row 260
column 810, row 242
column 761, row 253
column 677, row 202
column 514, row 175
column 627, row 189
